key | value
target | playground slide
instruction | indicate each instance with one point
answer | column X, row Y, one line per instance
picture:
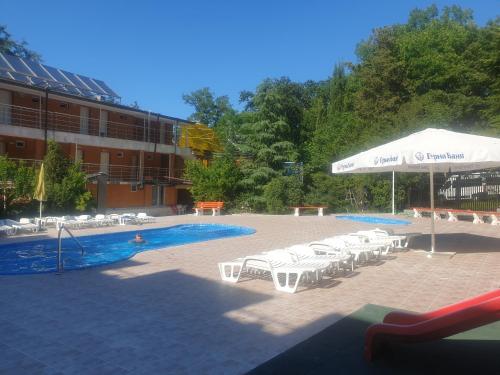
column 443, row 324
column 405, row 318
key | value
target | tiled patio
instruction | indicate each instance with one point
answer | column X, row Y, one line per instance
column 166, row 311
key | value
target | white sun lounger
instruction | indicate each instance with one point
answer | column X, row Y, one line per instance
column 337, row 259
column 352, row 244
column 145, row 218
column 374, row 235
column 285, row 271
column 103, row 220
column 7, row 230
column 26, row 225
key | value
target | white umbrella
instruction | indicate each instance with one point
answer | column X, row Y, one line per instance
column 430, row 150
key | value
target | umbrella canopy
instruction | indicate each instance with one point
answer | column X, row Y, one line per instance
column 430, row 150
column 40, row 193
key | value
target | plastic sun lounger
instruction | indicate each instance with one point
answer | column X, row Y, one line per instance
column 357, row 245
column 285, row 272
column 26, row 226
column 145, row 218
column 7, row 230
column 450, row 320
column 304, row 252
column 399, row 241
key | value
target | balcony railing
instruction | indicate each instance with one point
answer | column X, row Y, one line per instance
column 124, row 173
column 35, row 118
column 133, row 173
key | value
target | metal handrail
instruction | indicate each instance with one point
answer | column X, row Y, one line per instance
column 60, row 265
column 57, row 121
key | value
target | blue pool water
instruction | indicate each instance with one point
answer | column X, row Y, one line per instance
column 41, row 255
column 374, row 220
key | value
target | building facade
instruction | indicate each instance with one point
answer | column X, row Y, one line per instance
column 132, row 158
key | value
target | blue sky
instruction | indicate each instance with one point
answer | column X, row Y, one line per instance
column 155, row 51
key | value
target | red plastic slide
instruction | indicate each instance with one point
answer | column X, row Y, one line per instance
column 450, row 320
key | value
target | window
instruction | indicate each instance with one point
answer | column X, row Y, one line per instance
column 119, row 154
column 20, row 144
column 133, row 188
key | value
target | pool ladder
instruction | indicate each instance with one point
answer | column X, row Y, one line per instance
column 60, row 265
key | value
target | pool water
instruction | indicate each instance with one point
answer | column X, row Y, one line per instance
column 41, row 256
column 373, row 219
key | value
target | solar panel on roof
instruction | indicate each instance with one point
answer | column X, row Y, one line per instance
column 5, row 74
column 105, row 87
column 92, row 85
column 3, row 63
column 17, row 64
column 37, row 69
column 33, row 73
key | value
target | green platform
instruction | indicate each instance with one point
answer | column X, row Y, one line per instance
column 339, row 349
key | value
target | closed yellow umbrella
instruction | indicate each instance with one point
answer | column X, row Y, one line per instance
column 40, row 194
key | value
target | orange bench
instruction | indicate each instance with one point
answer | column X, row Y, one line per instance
column 214, row 206
column 298, row 208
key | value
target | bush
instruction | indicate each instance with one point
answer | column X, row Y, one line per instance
column 216, row 182
column 283, row 192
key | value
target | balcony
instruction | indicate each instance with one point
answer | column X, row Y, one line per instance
column 131, row 174
column 35, row 118
column 125, row 173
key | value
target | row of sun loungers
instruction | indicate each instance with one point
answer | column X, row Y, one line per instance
column 12, row 227
column 310, row 262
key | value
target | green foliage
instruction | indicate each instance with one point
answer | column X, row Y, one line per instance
column 9, row 45
column 439, row 69
column 281, row 193
column 65, row 182
column 17, row 183
column 208, row 108
column 216, row 182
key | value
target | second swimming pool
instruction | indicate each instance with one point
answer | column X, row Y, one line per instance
column 41, row 255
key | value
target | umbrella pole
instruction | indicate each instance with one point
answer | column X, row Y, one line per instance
column 393, row 205
column 433, row 236
column 41, row 210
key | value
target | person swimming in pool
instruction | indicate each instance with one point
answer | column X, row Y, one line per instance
column 138, row 239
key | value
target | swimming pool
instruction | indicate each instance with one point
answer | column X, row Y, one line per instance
column 373, row 219
column 41, row 256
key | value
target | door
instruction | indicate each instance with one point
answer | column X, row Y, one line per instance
column 5, row 105
column 84, row 120
column 2, row 148
column 104, row 167
column 103, row 123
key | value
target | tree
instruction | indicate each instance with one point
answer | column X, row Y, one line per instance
column 65, row 182
column 216, row 182
column 20, row 49
column 438, row 69
column 17, row 183
column 283, row 192
column 208, row 108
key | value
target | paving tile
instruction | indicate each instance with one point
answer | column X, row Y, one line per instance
column 166, row 311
